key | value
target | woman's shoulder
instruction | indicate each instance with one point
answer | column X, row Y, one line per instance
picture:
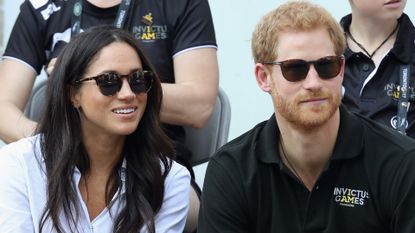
column 22, row 152
column 177, row 174
column 178, row 168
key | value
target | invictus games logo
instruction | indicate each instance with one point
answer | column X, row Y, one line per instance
column 147, row 19
column 150, row 32
column 350, row 197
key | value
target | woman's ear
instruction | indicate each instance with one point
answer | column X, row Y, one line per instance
column 75, row 99
column 263, row 77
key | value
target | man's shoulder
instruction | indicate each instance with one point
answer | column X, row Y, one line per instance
column 384, row 139
column 242, row 148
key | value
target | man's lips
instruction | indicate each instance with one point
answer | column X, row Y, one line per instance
column 319, row 99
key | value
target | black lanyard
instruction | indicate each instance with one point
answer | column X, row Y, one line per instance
column 119, row 20
column 403, row 104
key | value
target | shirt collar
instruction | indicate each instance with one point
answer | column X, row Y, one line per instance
column 404, row 46
column 349, row 142
column 266, row 147
column 123, row 170
column 345, row 23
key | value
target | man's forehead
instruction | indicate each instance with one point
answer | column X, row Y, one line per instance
column 304, row 44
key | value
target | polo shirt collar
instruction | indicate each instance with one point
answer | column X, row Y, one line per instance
column 349, row 142
column 345, row 23
column 266, row 147
column 404, row 46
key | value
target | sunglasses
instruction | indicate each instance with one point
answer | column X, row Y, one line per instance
column 295, row 70
column 140, row 81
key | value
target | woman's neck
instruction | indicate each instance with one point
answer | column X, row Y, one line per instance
column 104, row 3
column 372, row 36
column 104, row 152
column 371, row 32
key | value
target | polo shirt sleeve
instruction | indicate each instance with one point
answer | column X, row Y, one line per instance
column 15, row 214
column 223, row 201
column 26, row 42
column 172, row 216
column 193, row 24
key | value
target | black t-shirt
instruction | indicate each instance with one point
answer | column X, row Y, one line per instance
column 164, row 29
column 368, row 185
column 376, row 96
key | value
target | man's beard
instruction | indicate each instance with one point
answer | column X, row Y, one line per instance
column 305, row 116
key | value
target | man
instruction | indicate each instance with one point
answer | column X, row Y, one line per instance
column 313, row 166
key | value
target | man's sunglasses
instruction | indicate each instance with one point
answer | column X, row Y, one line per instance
column 295, row 70
column 140, row 81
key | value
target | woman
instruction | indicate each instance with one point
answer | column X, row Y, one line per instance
column 102, row 162
column 178, row 38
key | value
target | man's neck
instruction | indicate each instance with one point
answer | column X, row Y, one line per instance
column 308, row 151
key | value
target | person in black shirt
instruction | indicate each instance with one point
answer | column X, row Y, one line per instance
column 313, row 166
column 380, row 47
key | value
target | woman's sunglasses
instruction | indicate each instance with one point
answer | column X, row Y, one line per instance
column 140, row 81
column 295, row 70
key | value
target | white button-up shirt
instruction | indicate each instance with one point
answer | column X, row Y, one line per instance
column 23, row 195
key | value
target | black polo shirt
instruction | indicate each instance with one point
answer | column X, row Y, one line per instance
column 377, row 96
column 368, row 186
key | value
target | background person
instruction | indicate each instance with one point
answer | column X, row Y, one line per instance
column 101, row 160
column 313, row 166
column 381, row 46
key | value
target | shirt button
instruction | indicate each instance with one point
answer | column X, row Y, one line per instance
column 365, row 67
column 317, row 187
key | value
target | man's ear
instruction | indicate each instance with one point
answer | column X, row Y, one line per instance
column 263, row 77
column 342, row 69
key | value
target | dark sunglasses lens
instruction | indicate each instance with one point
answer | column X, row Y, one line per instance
column 109, row 84
column 328, row 67
column 140, row 81
column 294, row 70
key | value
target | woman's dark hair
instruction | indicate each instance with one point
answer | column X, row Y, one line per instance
column 145, row 150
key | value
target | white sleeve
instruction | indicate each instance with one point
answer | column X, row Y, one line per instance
column 15, row 214
column 173, row 213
